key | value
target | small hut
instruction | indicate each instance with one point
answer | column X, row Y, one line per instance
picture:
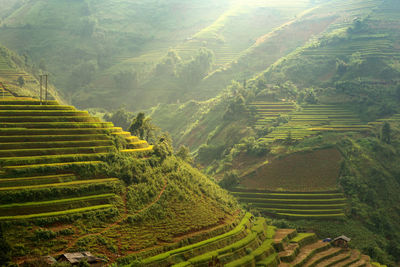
column 341, row 241
column 76, row 257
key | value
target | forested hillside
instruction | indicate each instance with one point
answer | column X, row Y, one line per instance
column 147, row 51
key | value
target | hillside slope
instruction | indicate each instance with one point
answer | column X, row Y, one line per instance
column 142, row 53
column 69, row 182
column 21, row 77
column 266, row 138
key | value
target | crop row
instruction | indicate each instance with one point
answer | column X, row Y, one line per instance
column 9, row 161
column 37, row 180
column 54, row 151
column 46, row 193
column 35, row 107
column 56, row 213
column 59, row 167
column 42, row 113
column 54, row 144
column 211, row 243
column 234, row 251
column 321, row 118
column 296, row 204
column 31, row 119
column 63, row 184
column 288, row 195
column 55, row 138
column 54, row 131
column 50, row 125
column 22, row 101
column 55, row 205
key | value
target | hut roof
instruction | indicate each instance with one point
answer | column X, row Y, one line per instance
column 345, row 238
column 76, row 257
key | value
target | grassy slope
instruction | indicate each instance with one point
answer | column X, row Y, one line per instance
column 150, row 201
column 13, row 66
column 159, row 209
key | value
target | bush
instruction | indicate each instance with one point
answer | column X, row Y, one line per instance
column 230, row 180
column 42, row 234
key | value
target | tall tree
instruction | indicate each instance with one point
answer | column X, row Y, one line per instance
column 143, row 128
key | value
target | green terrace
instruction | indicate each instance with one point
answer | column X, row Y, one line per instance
column 230, row 249
column 54, row 195
column 318, row 205
column 42, row 145
column 314, row 119
column 303, row 249
column 269, row 111
column 253, row 243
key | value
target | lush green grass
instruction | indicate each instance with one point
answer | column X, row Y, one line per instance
column 296, row 204
column 303, row 236
column 288, row 195
column 50, row 125
column 86, row 118
column 35, row 107
column 53, row 138
column 251, row 237
column 238, row 229
column 55, row 205
column 66, row 131
column 263, row 251
column 42, row 113
column 54, row 144
column 36, row 180
column 54, row 151
column 49, row 159
column 65, row 184
column 57, row 213
column 311, row 120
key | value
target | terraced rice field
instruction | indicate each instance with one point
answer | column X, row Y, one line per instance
column 267, row 112
column 392, row 119
column 303, row 249
column 253, row 243
column 3, row 91
column 315, row 119
column 230, row 249
column 292, row 205
column 41, row 144
column 8, row 72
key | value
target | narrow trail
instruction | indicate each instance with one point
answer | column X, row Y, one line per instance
column 73, row 243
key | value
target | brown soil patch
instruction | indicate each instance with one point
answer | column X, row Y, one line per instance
column 310, row 171
column 281, row 234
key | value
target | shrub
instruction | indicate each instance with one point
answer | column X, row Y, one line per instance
column 230, row 180
column 42, row 234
